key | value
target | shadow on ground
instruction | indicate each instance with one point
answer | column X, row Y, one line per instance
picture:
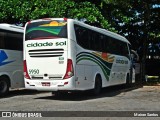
column 19, row 92
column 81, row 96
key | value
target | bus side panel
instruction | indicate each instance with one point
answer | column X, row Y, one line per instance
column 13, row 65
column 72, row 49
column 120, row 70
column 17, row 70
column 93, row 64
column 84, row 70
column 72, row 56
column 85, row 76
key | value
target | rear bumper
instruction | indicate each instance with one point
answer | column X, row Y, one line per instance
column 50, row 85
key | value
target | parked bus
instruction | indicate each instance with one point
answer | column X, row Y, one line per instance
column 62, row 55
column 11, row 58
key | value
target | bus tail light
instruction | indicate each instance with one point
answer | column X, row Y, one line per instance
column 65, row 19
column 69, row 71
column 26, row 75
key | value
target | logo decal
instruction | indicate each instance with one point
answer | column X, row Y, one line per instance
column 103, row 60
column 3, row 58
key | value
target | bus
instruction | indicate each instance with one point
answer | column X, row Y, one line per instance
column 11, row 58
column 65, row 55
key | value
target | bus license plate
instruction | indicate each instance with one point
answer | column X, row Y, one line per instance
column 45, row 83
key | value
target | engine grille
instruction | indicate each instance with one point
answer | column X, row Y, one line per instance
column 46, row 53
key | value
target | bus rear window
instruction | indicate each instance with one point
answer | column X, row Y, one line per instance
column 46, row 30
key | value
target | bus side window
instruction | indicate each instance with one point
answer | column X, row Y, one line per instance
column 14, row 41
column 104, row 44
column 2, row 39
column 126, row 52
column 79, row 33
column 90, row 39
column 83, row 37
column 111, row 45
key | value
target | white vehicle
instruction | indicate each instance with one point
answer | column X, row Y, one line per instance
column 67, row 55
column 11, row 58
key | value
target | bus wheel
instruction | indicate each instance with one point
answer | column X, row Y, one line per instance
column 97, row 86
column 4, row 86
column 127, row 81
column 58, row 93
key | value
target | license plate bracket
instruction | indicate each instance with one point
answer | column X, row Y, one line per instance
column 46, row 83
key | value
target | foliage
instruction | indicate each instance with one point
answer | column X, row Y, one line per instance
column 14, row 11
column 137, row 20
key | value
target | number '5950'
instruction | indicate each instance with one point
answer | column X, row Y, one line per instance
column 33, row 71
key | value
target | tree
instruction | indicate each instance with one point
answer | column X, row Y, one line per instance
column 137, row 20
column 15, row 11
column 132, row 18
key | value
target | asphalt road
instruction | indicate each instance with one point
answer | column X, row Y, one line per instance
column 119, row 98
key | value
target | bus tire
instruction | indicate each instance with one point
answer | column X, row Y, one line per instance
column 58, row 93
column 128, row 81
column 4, row 86
column 97, row 86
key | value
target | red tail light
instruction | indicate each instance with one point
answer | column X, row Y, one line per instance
column 26, row 75
column 28, row 22
column 65, row 19
column 69, row 71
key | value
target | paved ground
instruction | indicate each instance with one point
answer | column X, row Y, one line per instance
column 118, row 98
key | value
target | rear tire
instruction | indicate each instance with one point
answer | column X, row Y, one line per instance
column 97, row 86
column 4, row 86
column 128, row 82
column 59, row 94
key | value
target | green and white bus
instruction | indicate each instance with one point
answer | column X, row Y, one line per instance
column 11, row 57
column 67, row 55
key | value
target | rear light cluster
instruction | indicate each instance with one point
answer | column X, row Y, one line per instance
column 26, row 75
column 69, row 71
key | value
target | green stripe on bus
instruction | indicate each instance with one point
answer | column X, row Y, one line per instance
column 99, row 61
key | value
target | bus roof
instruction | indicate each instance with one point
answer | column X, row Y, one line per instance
column 11, row 27
column 100, row 30
column 104, row 31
